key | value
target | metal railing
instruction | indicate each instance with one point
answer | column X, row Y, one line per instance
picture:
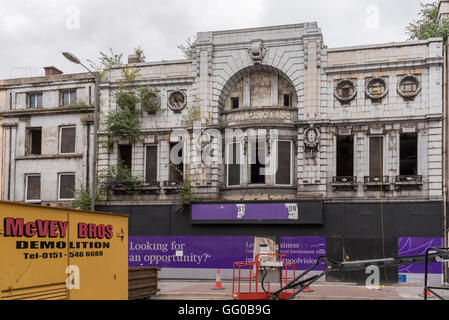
column 377, row 179
column 337, row 180
column 409, row 179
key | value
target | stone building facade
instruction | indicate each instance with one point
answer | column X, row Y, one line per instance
column 46, row 140
column 293, row 88
column 348, row 140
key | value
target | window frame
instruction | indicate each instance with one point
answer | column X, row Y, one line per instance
column 29, row 141
column 60, row 140
column 242, row 163
column 36, row 94
column 157, row 160
column 292, row 161
column 61, row 97
column 27, row 175
column 249, row 164
column 59, row 185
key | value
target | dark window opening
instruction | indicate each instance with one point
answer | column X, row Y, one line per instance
column 409, row 155
column 34, row 141
column 376, row 154
column 151, row 165
column 287, row 100
column 257, row 162
column 176, row 163
column 235, row 103
column 125, row 156
column 66, row 186
column 345, row 156
column 33, row 191
column 284, row 161
column 68, row 138
column 234, row 164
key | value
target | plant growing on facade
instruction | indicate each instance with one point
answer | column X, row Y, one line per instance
column 83, row 199
column 149, row 99
column 120, row 177
column 185, row 195
column 428, row 25
column 123, row 123
column 193, row 113
column 78, row 104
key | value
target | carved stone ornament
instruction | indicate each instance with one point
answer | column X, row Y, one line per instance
column 177, row 100
column 312, row 137
column 376, row 88
column 257, row 51
column 409, row 86
column 345, row 90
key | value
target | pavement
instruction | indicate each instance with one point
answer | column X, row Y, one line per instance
column 204, row 290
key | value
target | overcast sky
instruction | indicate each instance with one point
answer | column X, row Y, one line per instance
column 34, row 33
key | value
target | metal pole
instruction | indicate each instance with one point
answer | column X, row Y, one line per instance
column 94, row 160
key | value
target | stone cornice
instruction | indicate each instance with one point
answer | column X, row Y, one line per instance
column 384, row 66
column 45, row 111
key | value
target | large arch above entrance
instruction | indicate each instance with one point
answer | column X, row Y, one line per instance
column 256, row 95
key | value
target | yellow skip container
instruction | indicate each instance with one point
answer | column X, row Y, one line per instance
column 54, row 253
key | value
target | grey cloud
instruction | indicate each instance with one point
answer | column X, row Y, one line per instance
column 33, row 33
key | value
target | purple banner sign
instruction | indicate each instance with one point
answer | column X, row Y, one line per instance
column 419, row 246
column 189, row 252
column 245, row 212
column 304, row 251
column 216, row 252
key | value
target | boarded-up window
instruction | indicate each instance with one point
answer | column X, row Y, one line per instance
column 409, row 155
column 66, row 186
column 257, row 165
column 151, row 165
column 176, row 163
column 376, row 155
column 284, row 163
column 34, row 137
column 234, row 164
column 125, row 156
column 33, row 188
column 67, row 139
column 345, row 156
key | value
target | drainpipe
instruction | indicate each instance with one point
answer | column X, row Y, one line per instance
column 445, row 148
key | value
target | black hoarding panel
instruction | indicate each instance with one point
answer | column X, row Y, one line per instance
column 356, row 249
